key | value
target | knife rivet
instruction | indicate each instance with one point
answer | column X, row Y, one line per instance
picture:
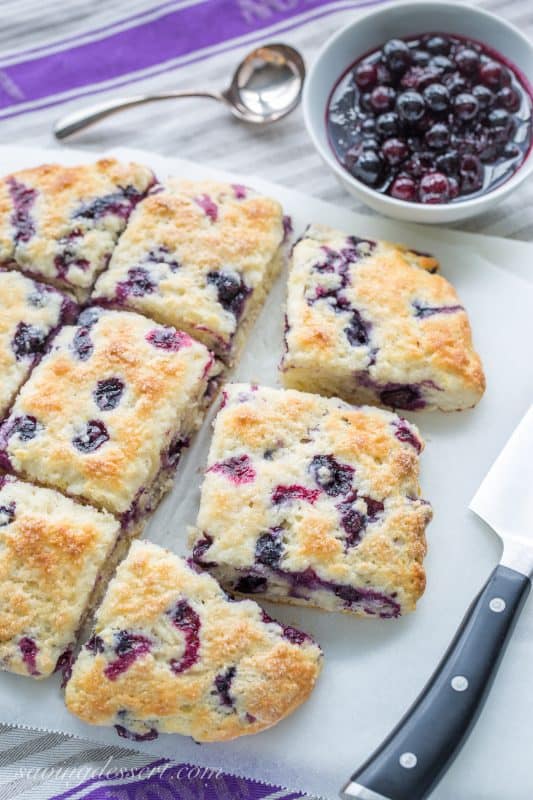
column 408, row 760
column 459, row 683
column 497, row 604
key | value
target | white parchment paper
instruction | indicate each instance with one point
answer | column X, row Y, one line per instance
column 373, row 669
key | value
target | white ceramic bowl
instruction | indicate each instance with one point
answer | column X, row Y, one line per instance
column 397, row 20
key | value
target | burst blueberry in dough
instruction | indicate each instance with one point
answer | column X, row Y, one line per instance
column 171, row 653
column 371, row 322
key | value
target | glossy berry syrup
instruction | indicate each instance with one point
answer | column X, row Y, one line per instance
column 432, row 119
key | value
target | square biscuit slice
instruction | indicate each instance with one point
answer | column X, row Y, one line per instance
column 30, row 313
column 371, row 322
column 171, row 653
column 311, row 501
column 106, row 413
column 60, row 224
column 201, row 256
column 52, row 554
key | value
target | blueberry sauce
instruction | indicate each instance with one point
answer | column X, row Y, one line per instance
column 208, row 206
column 64, row 665
column 405, row 396
column 173, row 454
column 431, row 119
column 120, row 203
column 28, row 649
column 29, row 340
column 92, row 438
column 223, row 685
column 108, row 393
column 7, row 514
column 136, row 737
column 237, row 469
column 334, row 478
column 231, row 291
column 185, row 618
column 23, row 199
column 293, row 635
column 251, row 584
column 168, row 339
column 128, row 647
column 284, row 494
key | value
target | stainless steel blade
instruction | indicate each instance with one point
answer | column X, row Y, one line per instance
column 505, row 498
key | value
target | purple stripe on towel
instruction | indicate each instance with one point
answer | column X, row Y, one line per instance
column 150, row 46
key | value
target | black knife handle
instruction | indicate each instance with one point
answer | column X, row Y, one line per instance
column 411, row 760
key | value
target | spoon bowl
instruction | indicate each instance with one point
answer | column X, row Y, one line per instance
column 266, row 86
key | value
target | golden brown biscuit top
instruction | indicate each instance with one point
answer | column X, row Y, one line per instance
column 171, row 653
column 62, row 222
column 333, row 486
column 51, row 551
column 378, row 309
column 100, row 410
column 183, row 242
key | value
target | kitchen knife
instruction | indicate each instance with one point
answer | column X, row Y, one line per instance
column 410, row 762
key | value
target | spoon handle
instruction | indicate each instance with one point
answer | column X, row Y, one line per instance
column 78, row 120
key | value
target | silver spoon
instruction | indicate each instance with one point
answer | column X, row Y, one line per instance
column 266, row 86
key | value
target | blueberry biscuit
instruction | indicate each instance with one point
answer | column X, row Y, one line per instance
column 370, row 322
column 60, row 224
column 200, row 256
column 170, row 653
column 52, row 552
column 30, row 313
column 107, row 411
column 311, row 501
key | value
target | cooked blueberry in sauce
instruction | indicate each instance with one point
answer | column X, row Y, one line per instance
column 268, row 548
column 356, row 330
column 23, row 199
column 128, row 647
column 138, row 283
column 7, row 514
column 185, row 618
column 136, row 737
column 395, row 114
column 93, row 437
column 173, row 454
column 108, row 393
column 231, row 291
column 238, row 469
column 284, row 494
column 168, row 339
column 64, row 665
column 28, row 649
column 373, row 507
column 352, row 521
column 82, row 342
column 223, row 685
column 294, row 635
column 28, row 340
column 68, row 256
column 334, row 478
